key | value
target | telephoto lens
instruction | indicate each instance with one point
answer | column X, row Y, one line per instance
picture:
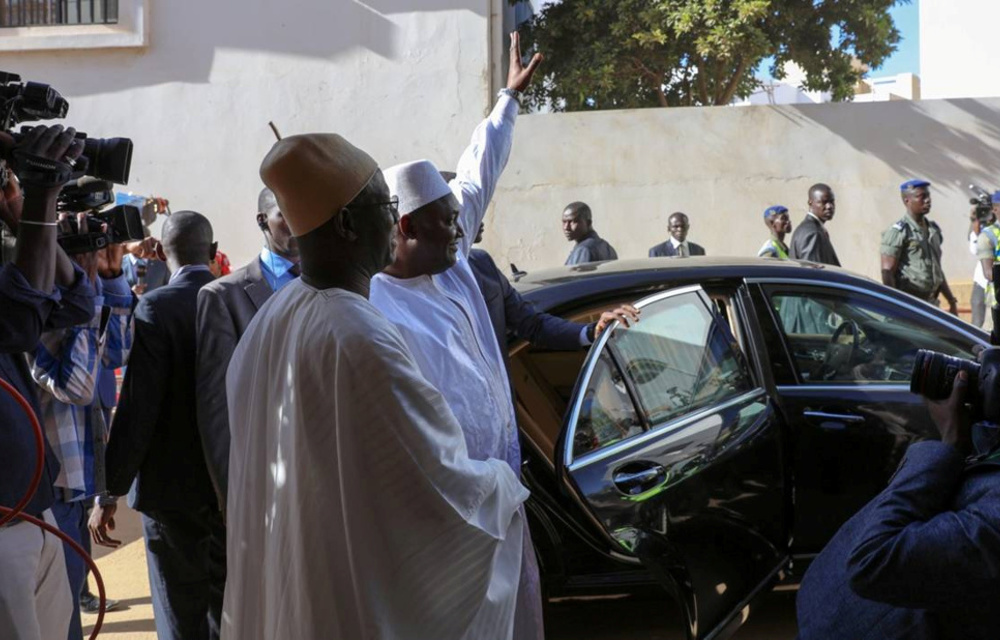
column 934, row 374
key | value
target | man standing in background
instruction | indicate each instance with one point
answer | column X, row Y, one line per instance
column 225, row 308
column 810, row 240
column 578, row 227
column 911, row 249
column 677, row 244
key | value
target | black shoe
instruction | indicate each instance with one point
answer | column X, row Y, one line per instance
column 90, row 603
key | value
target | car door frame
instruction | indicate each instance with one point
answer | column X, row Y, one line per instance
column 565, row 463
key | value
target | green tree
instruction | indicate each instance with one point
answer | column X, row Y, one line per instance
column 620, row 54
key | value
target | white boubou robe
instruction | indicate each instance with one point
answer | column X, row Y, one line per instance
column 354, row 510
column 446, row 324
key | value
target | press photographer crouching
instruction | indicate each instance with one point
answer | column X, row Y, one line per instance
column 40, row 290
column 922, row 560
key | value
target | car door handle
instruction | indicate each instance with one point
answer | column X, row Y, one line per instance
column 634, row 480
column 848, row 418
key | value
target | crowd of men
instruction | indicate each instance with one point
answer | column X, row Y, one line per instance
column 323, row 442
column 910, row 251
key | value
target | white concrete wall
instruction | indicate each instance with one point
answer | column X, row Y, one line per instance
column 724, row 166
column 403, row 79
column 958, row 51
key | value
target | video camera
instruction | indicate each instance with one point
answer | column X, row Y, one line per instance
column 124, row 222
column 983, row 202
column 105, row 159
column 934, row 373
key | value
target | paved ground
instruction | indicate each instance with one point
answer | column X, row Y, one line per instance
column 124, row 571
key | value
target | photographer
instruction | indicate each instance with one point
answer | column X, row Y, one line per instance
column 921, row 560
column 978, row 221
column 66, row 365
column 40, row 290
column 988, row 249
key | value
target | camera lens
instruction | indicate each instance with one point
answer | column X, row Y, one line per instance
column 934, row 374
column 109, row 159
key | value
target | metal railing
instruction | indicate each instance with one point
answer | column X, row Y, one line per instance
column 30, row 13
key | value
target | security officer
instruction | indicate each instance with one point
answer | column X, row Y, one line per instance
column 988, row 250
column 777, row 221
column 911, row 249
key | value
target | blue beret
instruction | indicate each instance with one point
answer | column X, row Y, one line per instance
column 775, row 210
column 996, row 197
column 913, row 184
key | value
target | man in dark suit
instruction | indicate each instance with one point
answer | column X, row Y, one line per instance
column 225, row 308
column 509, row 312
column 154, row 441
column 678, row 244
column 921, row 560
column 810, row 240
column 578, row 227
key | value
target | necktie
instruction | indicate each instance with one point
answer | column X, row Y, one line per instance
column 682, row 250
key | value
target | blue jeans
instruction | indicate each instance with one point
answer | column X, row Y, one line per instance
column 72, row 520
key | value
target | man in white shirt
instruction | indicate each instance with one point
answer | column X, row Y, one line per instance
column 677, row 244
column 354, row 510
column 430, row 293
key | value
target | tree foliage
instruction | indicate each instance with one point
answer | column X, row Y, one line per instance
column 618, row 54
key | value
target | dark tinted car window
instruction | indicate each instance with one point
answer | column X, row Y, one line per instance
column 820, row 328
column 680, row 357
column 607, row 413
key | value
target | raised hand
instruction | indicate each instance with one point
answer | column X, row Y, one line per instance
column 519, row 76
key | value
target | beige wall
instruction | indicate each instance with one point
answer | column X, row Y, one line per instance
column 403, row 79
column 958, row 52
column 724, row 166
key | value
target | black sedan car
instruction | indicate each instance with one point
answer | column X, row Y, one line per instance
column 715, row 447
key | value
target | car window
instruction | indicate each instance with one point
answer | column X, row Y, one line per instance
column 607, row 414
column 680, row 357
column 842, row 336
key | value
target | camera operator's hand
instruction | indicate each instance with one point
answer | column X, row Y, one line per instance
column 11, row 202
column 148, row 249
column 109, row 261
column 38, row 257
column 951, row 417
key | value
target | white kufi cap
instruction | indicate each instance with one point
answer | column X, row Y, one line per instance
column 415, row 184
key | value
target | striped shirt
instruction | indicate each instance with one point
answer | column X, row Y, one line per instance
column 65, row 365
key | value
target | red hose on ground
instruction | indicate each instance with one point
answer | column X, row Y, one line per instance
column 9, row 514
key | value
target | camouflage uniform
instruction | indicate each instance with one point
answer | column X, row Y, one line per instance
column 918, row 257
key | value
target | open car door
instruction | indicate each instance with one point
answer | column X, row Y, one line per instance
column 675, row 451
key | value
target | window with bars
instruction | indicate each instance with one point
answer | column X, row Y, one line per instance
column 31, row 13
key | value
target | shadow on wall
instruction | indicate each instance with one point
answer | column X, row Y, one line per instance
column 184, row 37
column 911, row 138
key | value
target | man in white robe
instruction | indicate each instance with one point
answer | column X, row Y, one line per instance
column 354, row 510
column 430, row 293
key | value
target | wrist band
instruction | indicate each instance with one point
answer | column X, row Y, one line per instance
column 39, row 224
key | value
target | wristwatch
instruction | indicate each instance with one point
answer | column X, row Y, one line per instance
column 511, row 93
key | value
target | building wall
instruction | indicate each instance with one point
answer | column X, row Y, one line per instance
column 402, row 79
column 724, row 166
column 958, row 52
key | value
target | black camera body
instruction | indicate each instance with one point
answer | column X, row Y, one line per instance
column 934, row 373
column 983, row 202
column 124, row 222
column 105, row 159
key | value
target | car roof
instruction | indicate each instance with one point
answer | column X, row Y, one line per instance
column 551, row 288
